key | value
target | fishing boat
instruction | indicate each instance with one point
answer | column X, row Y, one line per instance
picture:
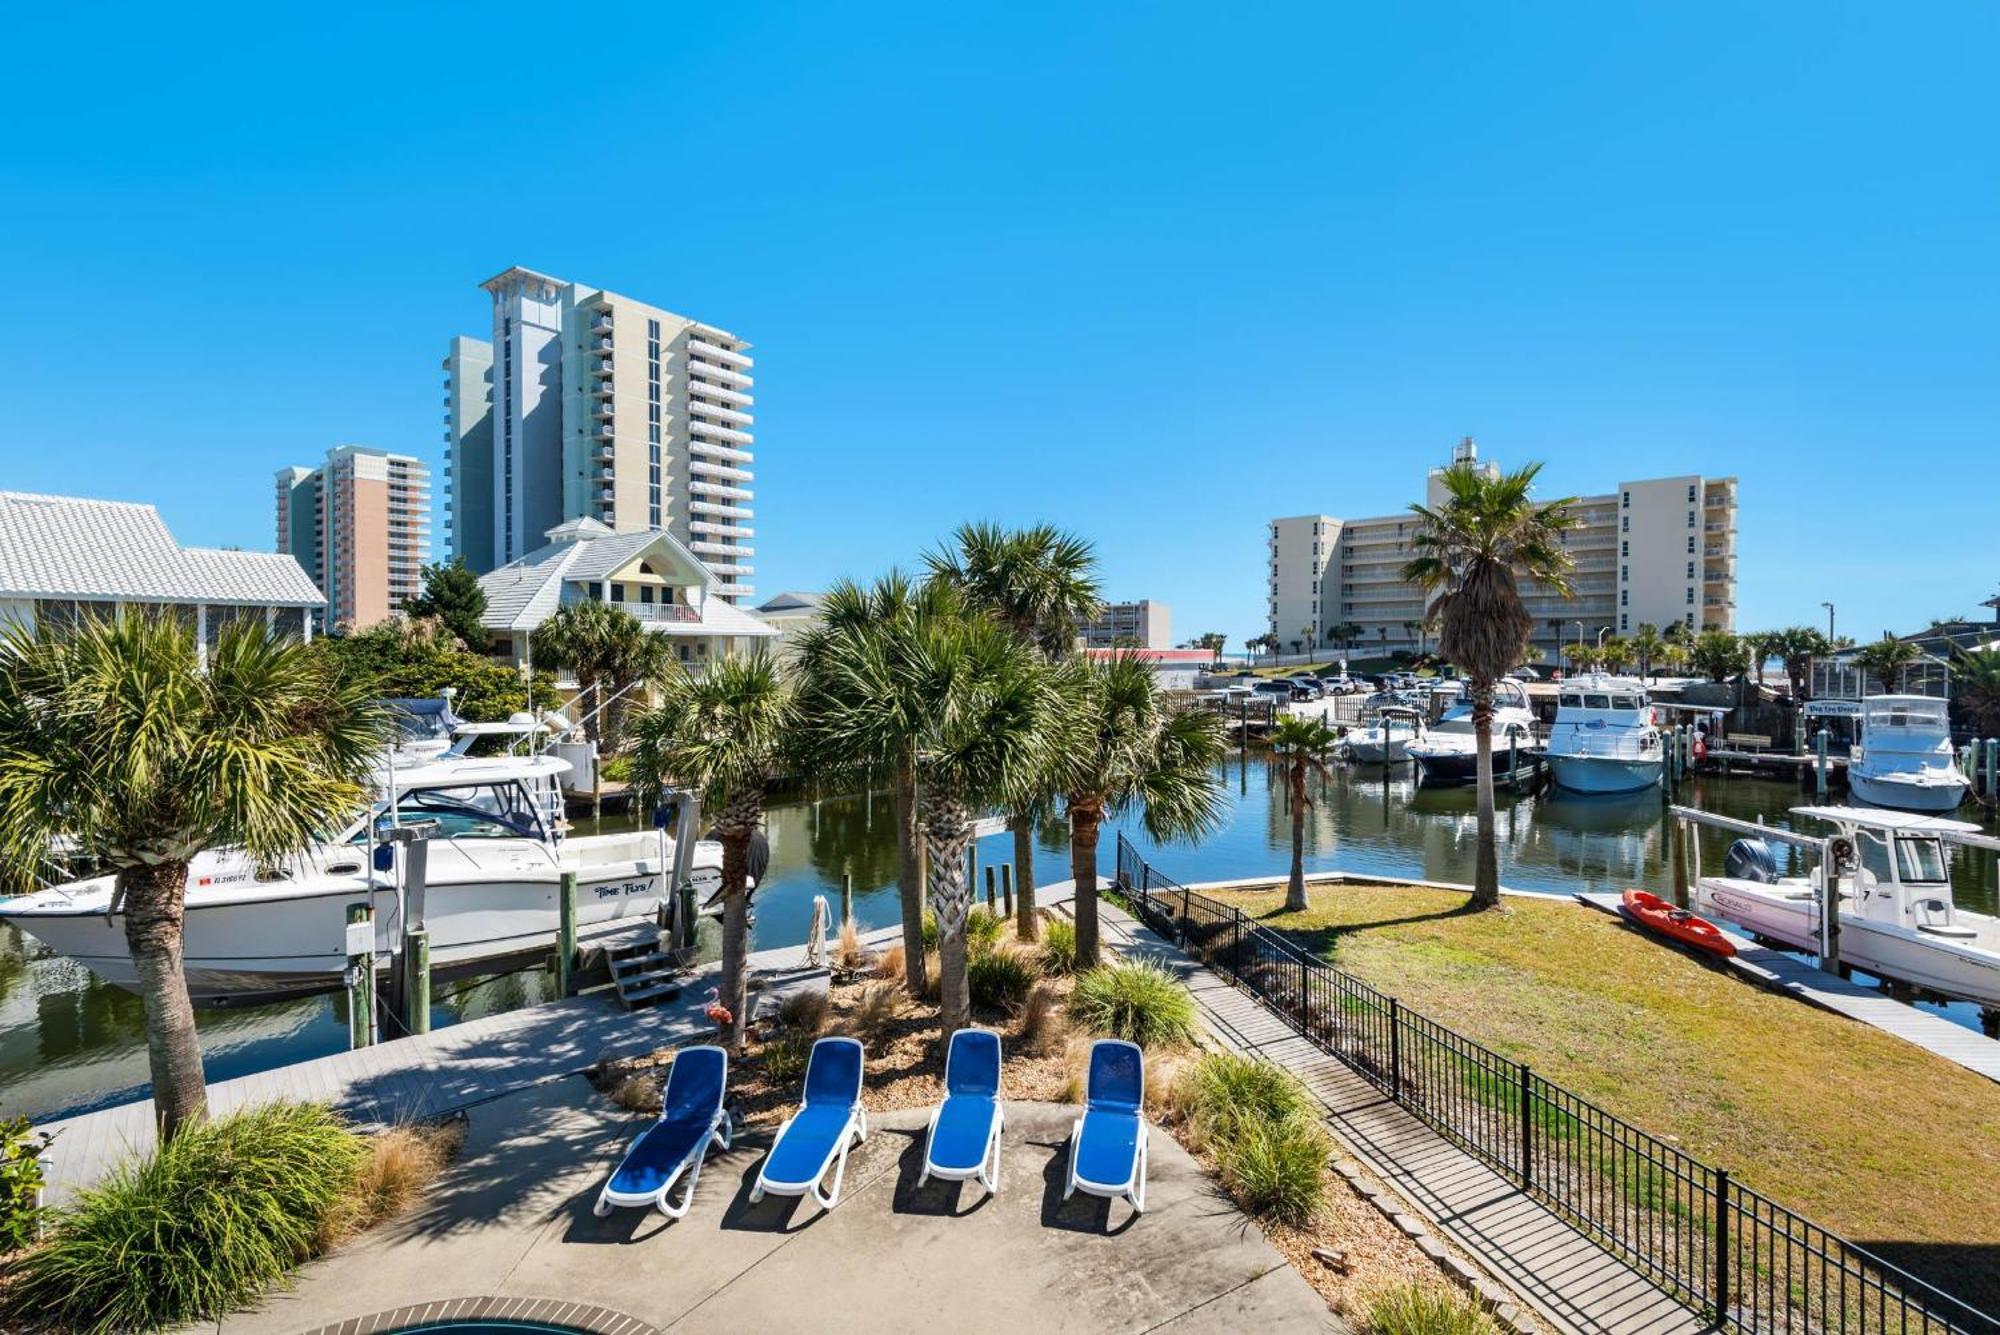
column 1447, row 755
column 1657, row 915
column 496, row 852
column 1902, row 758
column 1887, row 909
column 1386, row 740
column 1605, row 739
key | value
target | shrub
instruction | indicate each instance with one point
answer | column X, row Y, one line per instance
column 402, row 1161
column 1042, row 1022
column 983, row 930
column 1276, row 1169
column 890, row 963
column 999, row 979
column 849, row 955
column 933, row 976
column 1417, row 1309
column 1137, row 1001
column 202, row 1225
column 804, row 1012
column 1218, row 1095
column 1058, row 953
column 21, row 1150
column 875, row 1012
column 929, row 931
column 638, row 1093
column 785, row 1056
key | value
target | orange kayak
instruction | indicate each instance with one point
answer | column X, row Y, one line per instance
column 1656, row 914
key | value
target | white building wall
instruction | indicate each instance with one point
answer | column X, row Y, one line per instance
column 1301, row 549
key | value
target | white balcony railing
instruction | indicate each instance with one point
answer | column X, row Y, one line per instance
column 729, row 452
column 601, row 366
column 716, row 352
column 722, row 508
column 720, row 548
column 717, row 371
column 602, row 389
column 722, row 414
column 701, row 467
column 716, row 431
column 721, row 530
column 679, row 613
column 702, row 487
column 719, row 393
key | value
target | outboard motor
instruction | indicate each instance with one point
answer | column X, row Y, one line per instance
column 1750, row 860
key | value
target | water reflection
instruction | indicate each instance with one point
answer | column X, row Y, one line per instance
column 68, row 1040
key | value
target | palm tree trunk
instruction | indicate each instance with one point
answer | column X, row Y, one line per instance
column 947, row 830
column 154, row 899
column 909, row 879
column 1027, row 924
column 1486, row 871
column 1084, row 818
column 1295, row 889
column 734, row 827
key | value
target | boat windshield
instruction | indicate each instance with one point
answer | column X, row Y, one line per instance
column 1597, row 702
column 483, row 811
column 1921, row 859
column 1874, row 850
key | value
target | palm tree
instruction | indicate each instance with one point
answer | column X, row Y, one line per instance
column 1302, row 743
column 112, row 736
column 1720, row 655
column 611, row 653
column 1887, row 660
column 1799, row 646
column 862, row 716
column 1761, row 644
column 1040, row 583
column 1976, row 698
column 1615, row 653
column 1473, row 552
column 724, row 732
column 1646, row 645
column 1122, row 747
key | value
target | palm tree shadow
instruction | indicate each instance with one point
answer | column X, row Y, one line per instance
column 1325, row 941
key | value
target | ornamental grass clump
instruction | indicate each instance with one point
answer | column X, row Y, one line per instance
column 204, row 1224
column 999, row 979
column 1140, row 1002
column 1417, row 1309
column 1058, row 952
column 1262, row 1127
column 1218, row 1095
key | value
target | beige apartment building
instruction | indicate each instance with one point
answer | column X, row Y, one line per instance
column 591, row 405
column 1144, row 624
column 359, row 524
column 1655, row 551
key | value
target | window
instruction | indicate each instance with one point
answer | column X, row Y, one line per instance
column 1691, row 487
column 1690, row 544
column 1690, row 595
column 1624, row 597
column 596, row 589
column 1624, row 621
column 1570, row 701
column 1690, row 570
column 1691, row 519
column 1628, row 500
column 1625, row 549
column 617, row 593
column 1625, row 572
column 1625, row 524
column 1597, row 702
column 645, row 593
column 1921, row 859
column 491, row 811
column 1623, row 702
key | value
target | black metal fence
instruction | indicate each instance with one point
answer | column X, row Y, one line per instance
column 1722, row 1249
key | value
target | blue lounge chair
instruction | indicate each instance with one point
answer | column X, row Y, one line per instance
column 817, row 1137
column 964, row 1137
column 1107, row 1147
column 692, row 1119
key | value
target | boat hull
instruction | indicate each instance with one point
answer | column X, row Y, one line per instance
column 1789, row 914
column 1906, row 793
column 1604, row 774
column 1457, row 769
column 280, row 943
column 1393, row 751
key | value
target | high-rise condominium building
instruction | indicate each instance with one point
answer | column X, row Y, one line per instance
column 587, row 404
column 360, row 525
column 1659, row 551
column 1144, row 625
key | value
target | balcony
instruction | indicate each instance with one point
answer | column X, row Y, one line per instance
column 721, row 508
column 602, row 324
column 715, row 431
column 721, row 414
column 676, row 613
column 1719, row 526
column 605, row 495
column 719, row 548
column 723, row 568
column 721, row 530
column 601, row 345
column 1715, row 577
column 604, row 454
column 603, row 431
column 601, row 366
column 728, row 452
column 703, row 487
column 603, row 407
column 715, row 352
column 718, row 393
column 601, row 389
column 703, row 468
column 722, row 373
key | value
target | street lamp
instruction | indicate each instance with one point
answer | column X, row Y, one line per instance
column 1829, row 619
column 1602, row 631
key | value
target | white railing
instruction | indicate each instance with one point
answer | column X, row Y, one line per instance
column 728, row 356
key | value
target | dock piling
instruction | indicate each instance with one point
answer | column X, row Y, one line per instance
column 846, row 898
column 992, row 900
column 1007, row 887
column 566, row 935
column 360, row 975
column 417, row 982
column 413, row 972
column 1819, row 763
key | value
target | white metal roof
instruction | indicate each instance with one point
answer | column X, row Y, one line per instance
column 526, row 592
column 75, row 547
column 1884, row 819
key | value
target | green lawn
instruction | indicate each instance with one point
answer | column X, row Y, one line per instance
column 1861, row 1132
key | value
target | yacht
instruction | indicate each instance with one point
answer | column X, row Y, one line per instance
column 1903, row 758
column 1895, row 917
column 1447, row 755
column 1386, row 740
column 1604, row 739
column 497, row 851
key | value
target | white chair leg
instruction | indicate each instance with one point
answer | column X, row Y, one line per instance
column 666, row 1207
column 828, row 1200
column 603, row 1206
column 930, row 1139
column 864, row 1122
column 1075, row 1135
column 1139, row 1192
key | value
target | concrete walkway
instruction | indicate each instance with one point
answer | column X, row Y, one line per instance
column 429, row 1075
column 1575, row 1286
column 512, row 1219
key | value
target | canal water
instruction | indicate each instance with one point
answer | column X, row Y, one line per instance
column 69, row 1042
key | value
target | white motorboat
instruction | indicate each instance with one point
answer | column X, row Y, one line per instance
column 1605, row 739
column 1447, row 755
column 1903, row 757
column 1894, row 916
column 1386, row 740
column 495, row 857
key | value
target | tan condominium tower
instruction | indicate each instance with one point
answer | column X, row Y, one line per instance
column 1653, row 552
column 588, row 404
column 360, row 525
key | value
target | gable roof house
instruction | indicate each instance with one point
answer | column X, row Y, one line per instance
column 62, row 557
column 650, row 574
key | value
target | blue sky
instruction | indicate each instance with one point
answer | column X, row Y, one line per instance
column 1155, row 273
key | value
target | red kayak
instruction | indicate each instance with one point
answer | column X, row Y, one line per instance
column 1652, row 912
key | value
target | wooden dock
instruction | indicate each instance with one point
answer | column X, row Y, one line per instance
column 1786, row 972
column 431, row 1075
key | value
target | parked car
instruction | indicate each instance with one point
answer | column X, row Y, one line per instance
column 1309, row 686
column 1273, row 692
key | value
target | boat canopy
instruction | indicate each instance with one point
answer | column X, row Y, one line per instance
column 1882, row 818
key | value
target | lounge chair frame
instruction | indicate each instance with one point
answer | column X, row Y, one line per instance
column 1133, row 1188
column 721, row 1130
column 987, row 1171
column 855, row 1132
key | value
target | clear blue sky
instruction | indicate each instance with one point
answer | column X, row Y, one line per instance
column 1154, row 276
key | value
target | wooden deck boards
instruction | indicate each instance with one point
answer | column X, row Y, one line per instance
column 429, row 1075
column 1575, row 1286
column 1788, row 973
